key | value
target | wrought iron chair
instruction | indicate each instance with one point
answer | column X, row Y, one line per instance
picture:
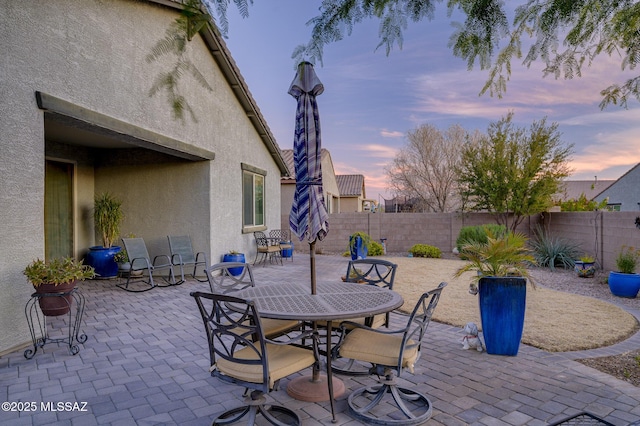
column 389, row 352
column 265, row 250
column 240, row 354
column 283, row 237
column 182, row 255
column 223, row 281
column 370, row 272
column 140, row 262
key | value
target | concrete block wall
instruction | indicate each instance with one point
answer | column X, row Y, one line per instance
column 599, row 234
column 401, row 230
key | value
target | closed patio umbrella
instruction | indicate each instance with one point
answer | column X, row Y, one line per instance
column 308, row 218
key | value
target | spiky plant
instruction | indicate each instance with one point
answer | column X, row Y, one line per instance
column 501, row 256
column 107, row 215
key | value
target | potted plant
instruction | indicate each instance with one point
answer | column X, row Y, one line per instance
column 585, row 267
column 501, row 273
column 359, row 243
column 58, row 275
column 625, row 282
column 107, row 215
column 234, row 256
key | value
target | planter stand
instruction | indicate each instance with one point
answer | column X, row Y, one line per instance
column 38, row 322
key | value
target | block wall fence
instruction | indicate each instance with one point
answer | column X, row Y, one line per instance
column 600, row 234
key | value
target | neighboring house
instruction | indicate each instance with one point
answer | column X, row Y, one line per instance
column 352, row 193
column 573, row 189
column 623, row 194
column 329, row 185
column 77, row 120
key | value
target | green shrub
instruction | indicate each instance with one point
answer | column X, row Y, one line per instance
column 627, row 260
column 554, row 251
column 375, row 249
column 478, row 233
column 425, row 250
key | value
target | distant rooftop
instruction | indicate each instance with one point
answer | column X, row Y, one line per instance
column 350, row 185
column 572, row 189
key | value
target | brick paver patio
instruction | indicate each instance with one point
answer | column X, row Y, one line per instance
column 146, row 362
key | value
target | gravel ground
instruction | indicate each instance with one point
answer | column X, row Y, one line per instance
column 624, row 366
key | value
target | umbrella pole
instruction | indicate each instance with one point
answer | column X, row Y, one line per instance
column 312, row 262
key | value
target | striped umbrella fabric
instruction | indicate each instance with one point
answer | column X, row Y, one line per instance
column 308, row 218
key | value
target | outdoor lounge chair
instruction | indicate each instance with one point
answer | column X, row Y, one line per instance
column 227, row 277
column 182, row 255
column 241, row 354
column 266, row 250
column 390, row 352
column 140, row 263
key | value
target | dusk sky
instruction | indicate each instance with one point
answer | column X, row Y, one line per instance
column 372, row 100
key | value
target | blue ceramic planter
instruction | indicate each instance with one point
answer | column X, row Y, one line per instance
column 624, row 285
column 502, row 306
column 101, row 258
column 287, row 253
column 234, row 257
column 357, row 250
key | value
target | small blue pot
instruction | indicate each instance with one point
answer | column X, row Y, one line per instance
column 235, row 257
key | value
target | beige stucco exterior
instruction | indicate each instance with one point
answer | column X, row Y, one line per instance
column 90, row 54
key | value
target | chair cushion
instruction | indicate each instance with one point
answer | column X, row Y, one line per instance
column 284, row 360
column 378, row 321
column 378, row 348
column 272, row 327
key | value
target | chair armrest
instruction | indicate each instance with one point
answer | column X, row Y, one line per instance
column 204, row 255
column 174, row 256
column 162, row 256
column 137, row 260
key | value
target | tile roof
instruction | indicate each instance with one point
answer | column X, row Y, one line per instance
column 287, row 155
column 350, row 185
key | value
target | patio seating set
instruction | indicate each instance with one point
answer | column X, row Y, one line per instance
column 273, row 248
column 258, row 335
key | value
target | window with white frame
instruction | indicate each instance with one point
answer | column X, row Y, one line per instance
column 252, row 196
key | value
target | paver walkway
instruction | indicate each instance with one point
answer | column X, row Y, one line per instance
column 146, row 362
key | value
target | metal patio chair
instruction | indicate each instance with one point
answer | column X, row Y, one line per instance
column 227, row 277
column 283, row 237
column 266, row 250
column 182, row 254
column 140, row 262
column 241, row 354
column 390, row 352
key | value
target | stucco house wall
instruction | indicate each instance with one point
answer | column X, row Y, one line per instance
column 624, row 192
column 87, row 60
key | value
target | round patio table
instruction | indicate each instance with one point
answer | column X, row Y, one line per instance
column 332, row 301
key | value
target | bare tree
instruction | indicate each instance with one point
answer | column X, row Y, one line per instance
column 425, row 168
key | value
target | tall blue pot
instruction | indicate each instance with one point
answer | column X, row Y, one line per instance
column 234, row 257
column 101, row 258
column 502, row 306
column 358, row 251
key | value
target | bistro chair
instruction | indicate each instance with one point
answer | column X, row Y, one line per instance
column 283, row 237
column 241, row 354
column 367, row 271
column 227, row 277
column 390, row 352
column 266, row 250
column 182, row 255
column 140, row 262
